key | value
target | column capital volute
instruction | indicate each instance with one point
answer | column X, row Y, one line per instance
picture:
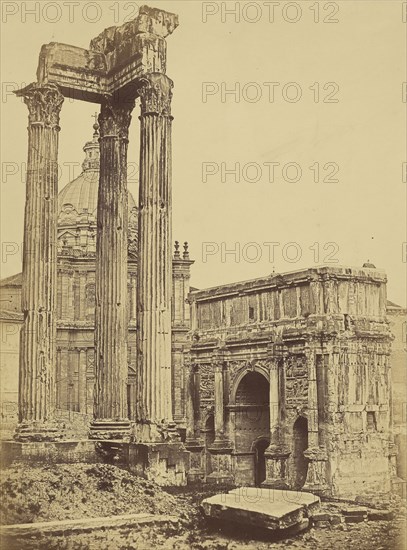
column 155, row 91
column 114, row 118
column 44, row 102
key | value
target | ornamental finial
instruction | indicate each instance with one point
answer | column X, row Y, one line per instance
column 185, row 255
column 177, row 255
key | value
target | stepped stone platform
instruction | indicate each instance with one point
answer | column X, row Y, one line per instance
column 270, row 509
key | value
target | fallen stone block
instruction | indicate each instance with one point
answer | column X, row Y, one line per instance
column 354, row 511
column 379, row 515
column 355, row 514
column 321, row 516
column 307, row 501
column 263, row 508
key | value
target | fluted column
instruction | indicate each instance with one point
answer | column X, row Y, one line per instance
column 111, row 312
column 277, row 453
column 154, row 406
column 221, row 437
column 221, row 449
column 316, row 474
column 38, row 337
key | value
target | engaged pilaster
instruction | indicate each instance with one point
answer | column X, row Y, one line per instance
column 154, row 404
column 111, row 312
column 37, row 365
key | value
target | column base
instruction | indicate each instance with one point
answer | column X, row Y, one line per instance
column 276, row 467
column 109, row 429
column 221, row 462
column 316, row 481
column 196, row 472
column 35, row 430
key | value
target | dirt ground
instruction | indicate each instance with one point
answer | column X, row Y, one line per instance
column 83, row 490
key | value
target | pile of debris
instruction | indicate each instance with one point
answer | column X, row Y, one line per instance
column 75, row 491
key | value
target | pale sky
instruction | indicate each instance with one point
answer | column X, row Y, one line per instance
column 337, row 106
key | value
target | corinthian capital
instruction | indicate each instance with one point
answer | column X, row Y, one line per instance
column 114, row 118
column 155, row 93
column 44, row 103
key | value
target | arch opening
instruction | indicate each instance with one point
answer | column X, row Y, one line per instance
column 252, row 425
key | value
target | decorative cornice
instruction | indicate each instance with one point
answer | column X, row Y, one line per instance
column 155, row 93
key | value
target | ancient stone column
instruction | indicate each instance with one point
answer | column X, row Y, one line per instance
column 316, row 455
column 276, row 453
column 38, row 336
column 193, row 443
column 221, row 448
column 219, row 404
column 154, row 289
column 111, row 312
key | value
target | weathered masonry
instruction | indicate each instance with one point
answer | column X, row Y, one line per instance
column 290, row 382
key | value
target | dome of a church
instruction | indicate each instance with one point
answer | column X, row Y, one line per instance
column 77, row 207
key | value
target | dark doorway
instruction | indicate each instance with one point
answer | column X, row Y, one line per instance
column 259, row 448
column 300, row 435
column 209, row 439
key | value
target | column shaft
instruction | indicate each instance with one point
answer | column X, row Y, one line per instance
column 219, row 405
column 155, row 256
column 313, row 432
column 190, row 402
column 38, row 337
column 277, row 453
column 317, row 457
column 274, row 405
column 111, row 312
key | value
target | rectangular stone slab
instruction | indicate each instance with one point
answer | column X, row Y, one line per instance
column 258, row 508
column 71, row 526
column 307, row 501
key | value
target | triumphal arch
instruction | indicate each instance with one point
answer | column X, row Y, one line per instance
column 121, row 65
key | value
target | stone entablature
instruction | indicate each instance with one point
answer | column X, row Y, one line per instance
column 114, row 60
column 347, row 295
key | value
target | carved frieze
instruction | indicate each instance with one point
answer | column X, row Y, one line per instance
column 296, row 379
column 207, row 383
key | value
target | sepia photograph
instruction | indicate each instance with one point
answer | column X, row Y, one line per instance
column 203, row 275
